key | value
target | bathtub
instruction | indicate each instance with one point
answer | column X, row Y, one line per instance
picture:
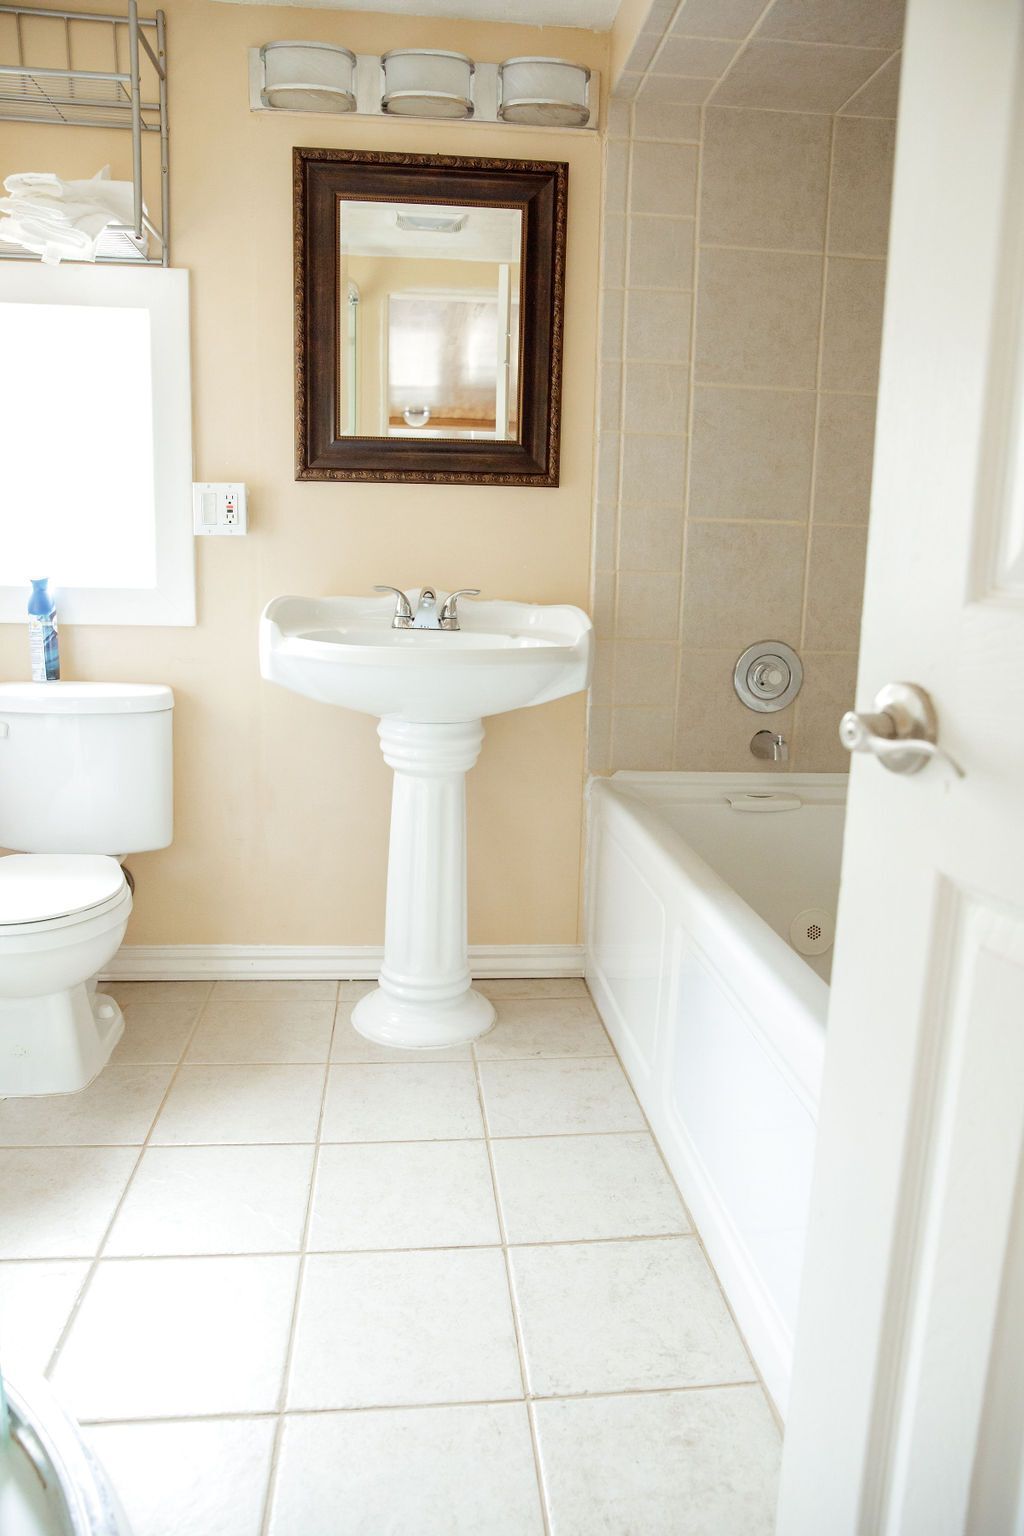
column 694, row 882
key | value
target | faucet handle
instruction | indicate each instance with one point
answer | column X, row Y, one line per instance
column 450, row 606
column 403, row 607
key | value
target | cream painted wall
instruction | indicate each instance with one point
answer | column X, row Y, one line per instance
column 281, row 804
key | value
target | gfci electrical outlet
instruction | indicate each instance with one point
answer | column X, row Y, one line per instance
column 218, row 507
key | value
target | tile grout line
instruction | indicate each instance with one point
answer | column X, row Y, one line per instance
column 282, row 1399
column 106, row 1146
column 865, row 83
column 818, row 375
column 744, row 46
column 142, row 1149
column 517, row 1329
column 627, row 261
column 335, row 1253
column 690, row 413
column 258, row 1415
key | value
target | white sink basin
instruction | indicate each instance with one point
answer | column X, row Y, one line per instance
column 430, row 688
column 342, row 650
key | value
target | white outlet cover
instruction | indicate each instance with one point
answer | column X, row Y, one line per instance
column 219, row 507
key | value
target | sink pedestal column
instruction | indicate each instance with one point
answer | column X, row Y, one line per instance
column 424, row 998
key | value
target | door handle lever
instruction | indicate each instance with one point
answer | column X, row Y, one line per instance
column 901, row 731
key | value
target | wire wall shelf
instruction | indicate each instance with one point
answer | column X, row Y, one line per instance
column 63, row 94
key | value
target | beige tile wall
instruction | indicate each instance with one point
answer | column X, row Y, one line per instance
column 744, row 268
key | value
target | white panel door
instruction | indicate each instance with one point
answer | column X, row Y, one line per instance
column 907, row 1408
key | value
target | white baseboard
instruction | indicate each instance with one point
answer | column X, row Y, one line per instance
column 272, row 962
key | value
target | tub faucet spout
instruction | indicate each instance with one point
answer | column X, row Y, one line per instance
column 770, row 745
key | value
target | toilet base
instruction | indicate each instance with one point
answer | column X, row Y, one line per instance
column 56, row 1043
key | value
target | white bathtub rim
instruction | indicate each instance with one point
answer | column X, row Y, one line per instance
column 735, row 939
column 821, row 788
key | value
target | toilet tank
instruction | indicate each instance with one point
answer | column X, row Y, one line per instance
column 85, row 767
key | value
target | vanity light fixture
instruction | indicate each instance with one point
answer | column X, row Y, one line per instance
column 308, row 77
column 427, row 82
column 545, row 93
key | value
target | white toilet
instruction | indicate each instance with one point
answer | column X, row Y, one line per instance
column 85, row 778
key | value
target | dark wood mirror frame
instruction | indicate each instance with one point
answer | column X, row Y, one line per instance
column 323, row 180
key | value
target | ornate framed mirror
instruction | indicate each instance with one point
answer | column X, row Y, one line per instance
column 428, row 317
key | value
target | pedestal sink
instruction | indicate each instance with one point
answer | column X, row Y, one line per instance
column 430, row 689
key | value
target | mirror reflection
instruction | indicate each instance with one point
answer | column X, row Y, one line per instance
column 430, row 312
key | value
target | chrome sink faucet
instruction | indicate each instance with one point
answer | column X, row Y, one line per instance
column 429, row 613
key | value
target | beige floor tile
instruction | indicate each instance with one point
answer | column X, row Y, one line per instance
column 407, row 1102
column 263, row 1030
column 614, row 1317
column 178, row 1338
column 349, row 991
column 567, row 1026
column 349, row 1045
column 393, row 1329
column 566, row 1188
column 526, row 987
column 414, row 1194
column 226, row 1104
column 57, row 1202
column 466, row 1471
column 36, row 1300
column 275, row 991
column 205, row 1476
column 556, row 1098
column 115, row 1110
column 155, row 1032
column 198, row 1200
column 664, row 1464
column 179, row 994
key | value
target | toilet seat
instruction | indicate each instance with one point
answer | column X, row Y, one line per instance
column 44, row 891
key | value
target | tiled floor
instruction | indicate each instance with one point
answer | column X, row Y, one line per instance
column 299, row 1285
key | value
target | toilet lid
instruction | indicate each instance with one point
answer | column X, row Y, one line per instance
column 38, row 887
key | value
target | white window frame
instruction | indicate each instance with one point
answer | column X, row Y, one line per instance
column 163, row 291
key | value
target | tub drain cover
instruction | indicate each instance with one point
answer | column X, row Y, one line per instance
column 812, row 931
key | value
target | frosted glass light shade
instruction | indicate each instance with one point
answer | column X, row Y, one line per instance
column 309, row 77
column 550, row 93
column 427, row 82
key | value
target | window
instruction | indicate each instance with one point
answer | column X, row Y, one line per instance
column 95, row 443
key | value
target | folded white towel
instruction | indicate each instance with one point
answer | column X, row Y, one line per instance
column 64, row 220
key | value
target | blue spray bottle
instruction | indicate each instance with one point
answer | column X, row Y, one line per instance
column 42, row 633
